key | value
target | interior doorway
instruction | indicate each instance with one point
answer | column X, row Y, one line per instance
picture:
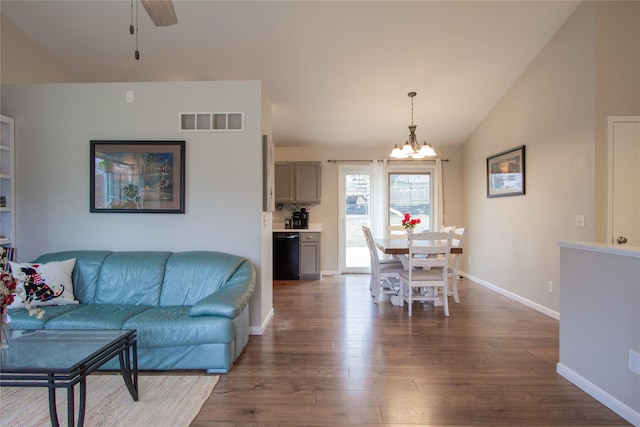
column 624, row 181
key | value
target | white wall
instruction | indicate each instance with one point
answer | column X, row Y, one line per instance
column 54, row 124
column 513, row 241
column 591, row 356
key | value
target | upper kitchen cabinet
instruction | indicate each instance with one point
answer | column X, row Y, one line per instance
column 297, row 182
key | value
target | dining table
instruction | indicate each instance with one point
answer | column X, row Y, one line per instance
column 401, row 246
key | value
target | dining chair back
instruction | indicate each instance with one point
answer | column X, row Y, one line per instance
column 423, row 279
column 384, row 273
column 396, row 231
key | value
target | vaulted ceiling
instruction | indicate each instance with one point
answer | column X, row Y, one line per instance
column 338, row 72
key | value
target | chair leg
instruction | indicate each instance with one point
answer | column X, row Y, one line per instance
column 445, row 299
column 454, row 283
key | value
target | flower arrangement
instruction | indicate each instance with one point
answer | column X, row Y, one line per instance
column 410, row 223
column 9, row 289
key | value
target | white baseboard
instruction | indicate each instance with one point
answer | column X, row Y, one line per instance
column 542, row 309
column 329, row 273
column 600, row 395
column 259, row 330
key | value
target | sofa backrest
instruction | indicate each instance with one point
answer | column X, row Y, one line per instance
column 190, row 276
column 147, row 277
column 85, row 273
column 132, row 278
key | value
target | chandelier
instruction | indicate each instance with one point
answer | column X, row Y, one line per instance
column 412, row 148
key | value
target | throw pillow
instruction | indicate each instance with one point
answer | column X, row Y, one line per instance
column 45, row 284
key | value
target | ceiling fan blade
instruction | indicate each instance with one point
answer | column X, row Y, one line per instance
column 161, row 12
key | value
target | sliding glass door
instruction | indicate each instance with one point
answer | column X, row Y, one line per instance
column 355, row 211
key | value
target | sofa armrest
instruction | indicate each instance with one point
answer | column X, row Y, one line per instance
column 230, row 299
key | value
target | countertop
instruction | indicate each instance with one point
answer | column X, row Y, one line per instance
column 313, row 227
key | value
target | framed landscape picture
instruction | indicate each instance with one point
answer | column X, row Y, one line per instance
column 137, row 176
column 506, row 173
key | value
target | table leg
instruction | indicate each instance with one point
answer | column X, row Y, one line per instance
column 129, row 369
column 83, row 401
column 53, row 413
column 71, row 416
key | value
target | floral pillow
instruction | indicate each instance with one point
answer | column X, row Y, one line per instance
column 44, row 284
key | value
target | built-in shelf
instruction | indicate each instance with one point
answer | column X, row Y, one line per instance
column 7, row 182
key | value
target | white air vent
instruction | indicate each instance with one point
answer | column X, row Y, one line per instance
column 211, row 122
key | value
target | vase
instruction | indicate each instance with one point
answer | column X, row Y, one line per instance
column 409, row 231
column 4, row 331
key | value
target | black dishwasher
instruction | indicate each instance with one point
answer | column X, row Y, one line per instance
column 286, row 256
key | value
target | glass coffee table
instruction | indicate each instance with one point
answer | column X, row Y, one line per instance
column 65, row 357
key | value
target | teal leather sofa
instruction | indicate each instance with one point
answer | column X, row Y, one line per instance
column 190, row 308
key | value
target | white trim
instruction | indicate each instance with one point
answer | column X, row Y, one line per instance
column 259, row 330
column 599, row 394
column 603, row 248
column 542, row 309
column 333, row 273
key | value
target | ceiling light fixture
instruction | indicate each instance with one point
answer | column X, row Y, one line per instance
column 412, row 148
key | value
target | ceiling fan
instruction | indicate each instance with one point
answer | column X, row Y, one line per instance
column 161, row 13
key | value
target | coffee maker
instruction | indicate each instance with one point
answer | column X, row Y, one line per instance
column 300, row 219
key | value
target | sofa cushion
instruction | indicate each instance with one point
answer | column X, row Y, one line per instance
column 190, row 276
column 172, row 326
column 20, row 318
column 96, row 316
column 132, row 278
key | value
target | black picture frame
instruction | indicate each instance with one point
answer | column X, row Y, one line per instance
column 506, row 173
column 137, row 176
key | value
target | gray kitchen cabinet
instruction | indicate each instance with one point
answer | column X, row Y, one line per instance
column 284, row 182
column 309, row 255
column 297, row 182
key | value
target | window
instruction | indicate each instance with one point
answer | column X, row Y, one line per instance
column 410, row 192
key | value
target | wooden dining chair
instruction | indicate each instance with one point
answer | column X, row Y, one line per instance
column 384, row 273
column 427, row 273
column 459, row 234
column 396, row 231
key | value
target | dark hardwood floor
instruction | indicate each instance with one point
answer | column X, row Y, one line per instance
column 331, row 357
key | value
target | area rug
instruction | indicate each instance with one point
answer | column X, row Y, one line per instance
column 165, row 400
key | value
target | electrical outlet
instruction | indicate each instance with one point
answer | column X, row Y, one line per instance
column 634, row 362
column 579, row 220
column 550, row 286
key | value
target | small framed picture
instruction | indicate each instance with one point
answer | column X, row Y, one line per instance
column 505, row 173
column 137, row 176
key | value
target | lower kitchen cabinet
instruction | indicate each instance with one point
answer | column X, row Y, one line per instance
column 309, row 255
